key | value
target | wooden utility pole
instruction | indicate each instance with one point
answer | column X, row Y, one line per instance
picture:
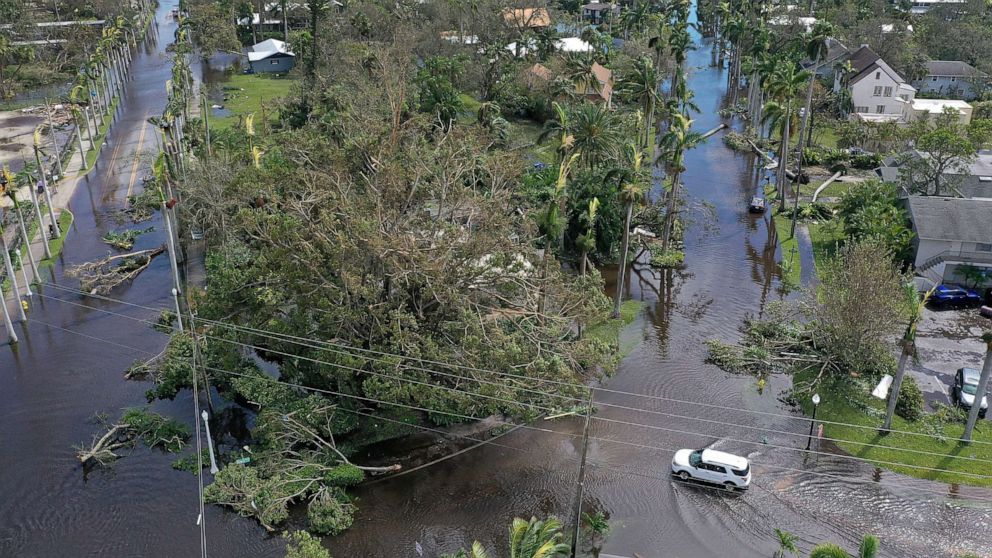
column 577, row 517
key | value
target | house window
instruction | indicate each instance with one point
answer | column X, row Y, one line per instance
column 878, row 91
column 935, row 78
column 860, row 109
column 980, row 247
column 878, row 75
column 952, row 79
column 888, row 92
column 880, row 109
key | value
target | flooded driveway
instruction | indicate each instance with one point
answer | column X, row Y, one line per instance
column 70, row 362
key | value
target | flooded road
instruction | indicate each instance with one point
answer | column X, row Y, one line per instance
column 70, row 362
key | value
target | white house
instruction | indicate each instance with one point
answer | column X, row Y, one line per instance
column 950, row 232
column 923, row 108
column 952, row 79
column 878, row 93
column 271, row 56
column 923, row 6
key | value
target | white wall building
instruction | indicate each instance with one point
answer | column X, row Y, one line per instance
column 878, row 93
column 925, row 108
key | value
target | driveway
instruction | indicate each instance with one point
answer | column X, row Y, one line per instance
column 947, row 340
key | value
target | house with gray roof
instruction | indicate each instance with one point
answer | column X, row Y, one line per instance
column 952, row 79
column 971, row 179
column 950, row 233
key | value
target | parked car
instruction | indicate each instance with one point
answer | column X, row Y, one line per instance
column 715, row 467
column 965, row 388
column 757, row 205
column 954, row 295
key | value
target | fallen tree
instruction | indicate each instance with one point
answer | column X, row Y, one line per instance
column 101, row 276
column 152, row 429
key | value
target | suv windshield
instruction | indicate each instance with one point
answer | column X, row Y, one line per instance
column 695, row 458
column 741, row 472
column 970, row 389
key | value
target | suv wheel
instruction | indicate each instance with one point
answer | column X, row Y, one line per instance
column 729, row 486
column 684, row 475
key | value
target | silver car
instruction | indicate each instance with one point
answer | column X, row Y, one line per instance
column 965, row 389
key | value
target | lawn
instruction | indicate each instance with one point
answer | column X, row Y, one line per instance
column 523, row 135
column 101, row 135
column 608, row 330
column 825, row 236
column 889, row 451
column 791, row 265
column 65, row 221
column 250, row 93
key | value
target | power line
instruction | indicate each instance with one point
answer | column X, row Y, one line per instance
column 604, row 419
column 557, row 382
column 854, row 480
column 549, row 409
column 550, row 431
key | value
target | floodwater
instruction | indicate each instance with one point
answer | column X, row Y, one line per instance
column 73, row 352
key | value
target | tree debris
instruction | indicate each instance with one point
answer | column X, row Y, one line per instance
column 101, row 276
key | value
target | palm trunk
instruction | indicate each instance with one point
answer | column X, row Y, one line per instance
column 671, row 209
column 622, row 265
column 983, row 384
column 907, row 349
column 783, row 163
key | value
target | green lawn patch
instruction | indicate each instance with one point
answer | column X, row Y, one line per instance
column 470, row 103
column 250, row 93
column 825, row 237
column 608, row 330
column 523, row 136
column 791, row 266
column 889, row 452
column 65, row 221
column 101, row 135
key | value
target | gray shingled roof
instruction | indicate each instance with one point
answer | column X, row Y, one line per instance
column 950, row 219
column 953, row 68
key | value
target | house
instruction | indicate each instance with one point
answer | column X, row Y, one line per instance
column 537, row 76
column 836, row 53
column 918, row 7
column 271, row 56
column 805, row 23
column 600, row 12
column 952, row 79
column 568, row 44
column 925, row 108
column 970, row 180
column 600, row 87
column 527, row 18
column 950, row 233
column 878, row 93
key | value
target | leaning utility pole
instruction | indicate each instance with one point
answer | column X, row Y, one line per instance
column 983, row 385
column 577, row 518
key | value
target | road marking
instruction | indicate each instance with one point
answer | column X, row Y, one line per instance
column 137, row 158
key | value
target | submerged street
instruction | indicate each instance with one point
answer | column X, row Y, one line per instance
column 74, row 350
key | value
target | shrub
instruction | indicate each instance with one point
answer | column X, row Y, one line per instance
column 909, row 405
column 812, row 156
column 330, row 513
column 671, row 258
column 866, row 161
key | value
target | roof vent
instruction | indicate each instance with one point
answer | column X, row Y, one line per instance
column 985, row 178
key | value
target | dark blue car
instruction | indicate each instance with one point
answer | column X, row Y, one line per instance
column 954, row 295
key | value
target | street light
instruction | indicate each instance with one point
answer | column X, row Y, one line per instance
column 816, row 403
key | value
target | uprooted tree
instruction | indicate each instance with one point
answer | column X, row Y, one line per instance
column 839, row 328
column 135, row 425
column 101, row 276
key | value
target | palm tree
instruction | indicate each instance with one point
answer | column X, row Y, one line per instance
column 640, row 85
column 786, row 543
column 983, row 383
column 675, row 143
column 916, row 307
column 634, row 19
column 783, row 86
column 596, row 132
column 586, row 242
column 869, row 547
column 828, row 550
column 537, row 539
column 630, row 191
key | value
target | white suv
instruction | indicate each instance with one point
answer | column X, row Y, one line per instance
column 726, row 469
